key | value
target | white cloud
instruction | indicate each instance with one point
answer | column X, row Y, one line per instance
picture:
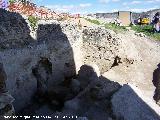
column 69, row 8
column 115, row 10
column 61, row 8
column 136, row 2
column 128, row 5
column 138, row 10
column 152, row 1
column 142, row 9
column 107, row 1
column 115, row 0
column 85, row 5
column 104, row 1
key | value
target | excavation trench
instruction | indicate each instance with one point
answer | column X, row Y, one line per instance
column 53, row 98
column 79, row 95
column 56, row 97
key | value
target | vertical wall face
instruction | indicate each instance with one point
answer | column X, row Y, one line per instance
column 19, row 63
column 6, row 99
column 55, row 42
column 3, row 78
column 20, row 82
column 14, row 31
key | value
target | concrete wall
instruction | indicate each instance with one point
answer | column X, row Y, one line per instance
column 124, row 17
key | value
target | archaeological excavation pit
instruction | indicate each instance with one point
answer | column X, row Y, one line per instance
column 60, row 69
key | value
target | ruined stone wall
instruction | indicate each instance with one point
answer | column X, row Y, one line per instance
column 62, row 44
column 14, row 30
column 55, row 42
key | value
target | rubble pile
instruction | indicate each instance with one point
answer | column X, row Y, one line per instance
column 100, row 47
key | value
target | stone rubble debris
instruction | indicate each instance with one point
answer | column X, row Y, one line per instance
column 129, row 99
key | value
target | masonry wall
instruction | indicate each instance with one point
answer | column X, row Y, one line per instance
column 20, row 53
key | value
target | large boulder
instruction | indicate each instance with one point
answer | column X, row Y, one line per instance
column 3, row 78
column 94, row 101
column 130, row 104
column 86, row 75
column 6, row 107
column 156, row 82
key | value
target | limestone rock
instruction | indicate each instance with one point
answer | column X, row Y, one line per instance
column 156, row 82
column 72, row 105
column 106, row 87
column 140, row 34
column 5, row 99
column 130, row 104
column 7, row 110
column 86, row 74
column 93, row 102
column 14, row 30
column 75, row 86
column 3, row 78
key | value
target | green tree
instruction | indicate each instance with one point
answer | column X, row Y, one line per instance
column 12, row 1
column 33, row 21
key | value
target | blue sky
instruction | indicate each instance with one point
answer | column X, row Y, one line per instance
column 94, row 6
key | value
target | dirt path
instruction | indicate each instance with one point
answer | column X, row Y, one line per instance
column 83, row 22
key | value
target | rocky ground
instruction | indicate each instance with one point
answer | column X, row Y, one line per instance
column 86, row 72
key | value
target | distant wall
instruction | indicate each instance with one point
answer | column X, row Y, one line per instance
column 107, row 15
column 135, row 16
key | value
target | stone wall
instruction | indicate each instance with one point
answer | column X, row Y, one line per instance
column 54, row 55
column 55, row 42
column 14, row 30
